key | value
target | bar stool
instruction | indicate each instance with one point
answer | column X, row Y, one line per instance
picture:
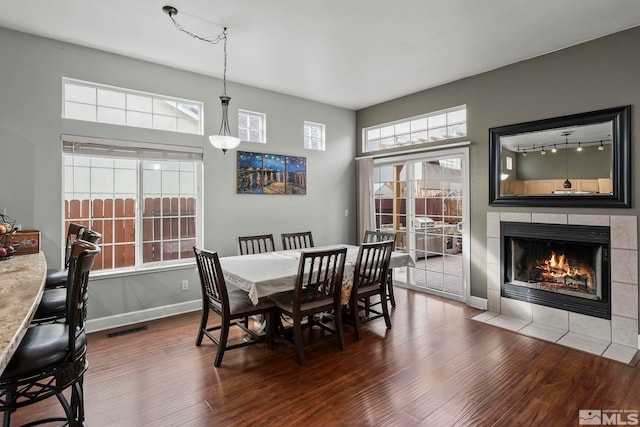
column 51, row 358
column 52, row 307
column 57, row 277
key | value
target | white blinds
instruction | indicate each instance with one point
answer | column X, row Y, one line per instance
column 125, row 149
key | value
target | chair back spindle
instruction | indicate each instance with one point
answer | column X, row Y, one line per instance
column 256, row 244
column 299, row 240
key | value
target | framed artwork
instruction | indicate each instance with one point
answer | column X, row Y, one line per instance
column 261, row 173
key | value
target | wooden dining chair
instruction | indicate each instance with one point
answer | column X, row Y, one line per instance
column 369, row 279
column 299, row 240
column 380, row 236
column 51, row 358
column 318, row 289
column 233, row 306
column 57, row 277
column 256, row 244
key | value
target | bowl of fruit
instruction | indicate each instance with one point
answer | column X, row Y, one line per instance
column 6, row 228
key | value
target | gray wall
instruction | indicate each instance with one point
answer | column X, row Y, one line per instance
column 599, row 74
column 587, row 164
column 31, row 161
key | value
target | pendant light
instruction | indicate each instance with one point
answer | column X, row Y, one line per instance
column 223, row 140
column 566, row 183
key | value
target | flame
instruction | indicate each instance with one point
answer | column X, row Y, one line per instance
column 557, row 267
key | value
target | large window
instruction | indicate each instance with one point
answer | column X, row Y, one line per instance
column 252, row 126
column 94, row 102
column 437, row 126
column 144, row 199
column 314, row 136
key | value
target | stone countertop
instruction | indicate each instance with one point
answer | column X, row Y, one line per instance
column 22, row 280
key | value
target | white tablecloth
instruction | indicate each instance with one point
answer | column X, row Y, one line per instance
column 272, row 272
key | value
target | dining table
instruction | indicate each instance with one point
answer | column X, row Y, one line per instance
column 268, row 273
column 22, row 279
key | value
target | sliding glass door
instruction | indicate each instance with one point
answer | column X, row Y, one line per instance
column 423, row 199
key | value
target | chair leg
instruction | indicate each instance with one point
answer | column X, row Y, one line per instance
column 355, row 318
column 338, row 322
column 222, row 342
column 203, row 324
column 269, row 329
column 297, row 339
column 385, row 311
column 392, row 297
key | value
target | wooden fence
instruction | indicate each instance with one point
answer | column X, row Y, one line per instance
column 168, row 228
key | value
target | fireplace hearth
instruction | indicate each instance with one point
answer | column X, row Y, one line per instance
column 557, row 265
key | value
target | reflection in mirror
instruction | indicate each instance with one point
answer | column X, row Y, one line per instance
column 578, row 160
column 569, row 161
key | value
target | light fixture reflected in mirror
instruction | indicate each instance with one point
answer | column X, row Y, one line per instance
column 600, row 147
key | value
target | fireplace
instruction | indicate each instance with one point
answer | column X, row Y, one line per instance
column 557, row 265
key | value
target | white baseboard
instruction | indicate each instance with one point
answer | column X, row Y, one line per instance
column 125, row 319
column 479, row 303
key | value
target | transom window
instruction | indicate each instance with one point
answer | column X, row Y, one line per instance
column 94, row 102
column 144, row 200
column 314, row 136
column 252, row 126
column 437, row 126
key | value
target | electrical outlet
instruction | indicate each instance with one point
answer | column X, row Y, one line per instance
column 185, row 285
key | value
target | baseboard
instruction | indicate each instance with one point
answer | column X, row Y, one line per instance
column 479, row 303
column 131, row 318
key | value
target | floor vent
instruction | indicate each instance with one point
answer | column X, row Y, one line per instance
column 126, row 331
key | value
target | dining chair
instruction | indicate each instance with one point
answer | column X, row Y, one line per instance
column 379, row 236
column 52, row 306
column 51, row 358
column 318, row 289
column 256, row 244
column 233, row 306
column 57, row 277
column 299, row 240
column 369, row 279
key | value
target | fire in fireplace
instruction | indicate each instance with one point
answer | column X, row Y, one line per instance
column 560, row 266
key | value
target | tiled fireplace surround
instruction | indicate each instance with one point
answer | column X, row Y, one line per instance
column 616, row 338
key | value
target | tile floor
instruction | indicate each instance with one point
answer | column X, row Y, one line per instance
column 585, row 343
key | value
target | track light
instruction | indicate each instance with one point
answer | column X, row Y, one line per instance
column 554, row 149
column 543, row 152
column 579, row 147
column 600, row 147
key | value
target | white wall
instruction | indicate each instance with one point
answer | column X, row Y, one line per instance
column 32, row 68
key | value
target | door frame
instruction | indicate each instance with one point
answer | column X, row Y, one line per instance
column 435, row 154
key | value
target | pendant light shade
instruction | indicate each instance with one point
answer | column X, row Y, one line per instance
column 224, row 140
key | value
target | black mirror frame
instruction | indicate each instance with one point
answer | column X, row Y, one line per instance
column 621, row 197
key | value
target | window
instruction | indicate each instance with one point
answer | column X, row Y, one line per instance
column 437, row 126
column 94, row 102
column 252, row 126
column 143, row 199
column 314, row 136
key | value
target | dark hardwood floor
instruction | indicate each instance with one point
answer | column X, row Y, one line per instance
column 436, row 367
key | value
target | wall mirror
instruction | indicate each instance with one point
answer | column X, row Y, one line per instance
column 578, row 160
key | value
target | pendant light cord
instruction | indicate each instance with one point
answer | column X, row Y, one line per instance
column 222, row 37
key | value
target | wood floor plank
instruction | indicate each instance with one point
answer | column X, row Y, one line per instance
column 436, row 366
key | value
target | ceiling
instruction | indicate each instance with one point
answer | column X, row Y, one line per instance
column 347, row 53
